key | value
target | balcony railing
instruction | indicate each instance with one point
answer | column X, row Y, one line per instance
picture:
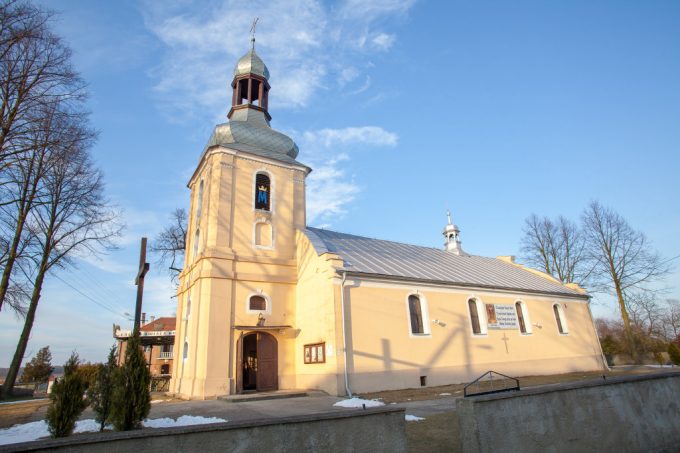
column 166, row 355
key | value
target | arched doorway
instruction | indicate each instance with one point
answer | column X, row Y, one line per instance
column 258, row 367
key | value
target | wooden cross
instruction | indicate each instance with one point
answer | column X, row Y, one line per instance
column 139, row 281
column 506, row 339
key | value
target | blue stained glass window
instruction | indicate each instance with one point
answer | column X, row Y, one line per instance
column 262, row 192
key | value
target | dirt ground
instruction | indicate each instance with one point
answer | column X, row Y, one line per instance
column 21, row 412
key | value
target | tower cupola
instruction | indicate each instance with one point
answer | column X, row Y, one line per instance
column 250, row 85
column 452, row 237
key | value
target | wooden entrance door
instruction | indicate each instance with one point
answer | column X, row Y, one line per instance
column 267, row 362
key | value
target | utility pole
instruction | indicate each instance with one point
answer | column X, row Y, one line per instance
column 139, row 281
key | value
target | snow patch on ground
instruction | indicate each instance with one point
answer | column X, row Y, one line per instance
column 159, row 401
column 445, row 394
column 358, row 402
column 27, row 432
column 184, row 420
column 413, row 418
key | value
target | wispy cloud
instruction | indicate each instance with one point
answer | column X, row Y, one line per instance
column 366, row 135
column 383, row 41
column 329, row 188
column 374, row 9
column 304, row 43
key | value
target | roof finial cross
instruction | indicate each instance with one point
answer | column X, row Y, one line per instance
column 253, row 28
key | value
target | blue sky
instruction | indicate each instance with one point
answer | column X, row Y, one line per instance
column 495, row 110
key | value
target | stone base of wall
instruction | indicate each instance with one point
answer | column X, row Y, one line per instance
column 621, row 414
column 371, row 430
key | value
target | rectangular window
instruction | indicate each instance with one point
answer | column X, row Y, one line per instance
column 315, row 353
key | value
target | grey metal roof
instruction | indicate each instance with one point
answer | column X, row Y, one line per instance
column 251, row 63
column 249, row 131
column 394, row 259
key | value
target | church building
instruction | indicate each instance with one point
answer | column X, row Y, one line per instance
column 266, row 302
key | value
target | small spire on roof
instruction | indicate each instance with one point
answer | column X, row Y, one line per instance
column 452, row 237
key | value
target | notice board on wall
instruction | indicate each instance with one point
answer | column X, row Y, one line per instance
column 501, row 316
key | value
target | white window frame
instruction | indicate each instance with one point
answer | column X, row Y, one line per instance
column 527, row 319
column 268, row 222
column 268, row 300
column 481, row 313
column 424, row 311
column 272, row 189
column 563, row 319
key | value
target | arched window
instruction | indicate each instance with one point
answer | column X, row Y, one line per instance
column 257, row 303
column 197, row 238
column 199, row 200
column 560, row 319
column 520, row 317
column 185, row 351
column 263, row 191
column 474, row 317
column 416, row 314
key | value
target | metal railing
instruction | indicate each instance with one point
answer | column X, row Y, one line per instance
column 166, row 355
column 487, row 384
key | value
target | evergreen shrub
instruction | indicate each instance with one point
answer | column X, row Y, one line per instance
column 67, row 400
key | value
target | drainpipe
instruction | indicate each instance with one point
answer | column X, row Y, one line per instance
column 344, row 339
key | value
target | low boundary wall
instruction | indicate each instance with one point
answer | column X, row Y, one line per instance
column 370, row 430
column 621, row 414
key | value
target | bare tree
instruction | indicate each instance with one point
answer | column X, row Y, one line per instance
column 75, row 218
column 35, row 70
column 169, row 244
column 671, row 320
column 555, row 247
column 21, row 191
column 36, row 80
column 623, row 260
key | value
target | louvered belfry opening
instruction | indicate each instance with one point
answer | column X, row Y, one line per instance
column 262, row 192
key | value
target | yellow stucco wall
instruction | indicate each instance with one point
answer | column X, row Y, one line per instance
column 384, row 353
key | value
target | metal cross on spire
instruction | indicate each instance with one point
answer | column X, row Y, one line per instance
column 253, row 28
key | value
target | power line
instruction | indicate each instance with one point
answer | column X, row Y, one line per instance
column 79, row 278
column 90, row 298
column 111, row 293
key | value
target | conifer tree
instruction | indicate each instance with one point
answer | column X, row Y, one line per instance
column 131, row 395
column 101, row 392
column 67, row 400
column 40, row 367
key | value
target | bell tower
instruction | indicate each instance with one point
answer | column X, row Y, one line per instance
column 239, row 276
